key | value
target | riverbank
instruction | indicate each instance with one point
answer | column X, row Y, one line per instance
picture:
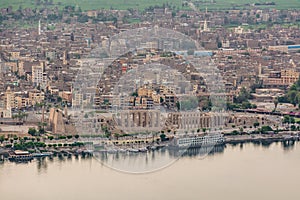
column 86, row 151
column 261, row 138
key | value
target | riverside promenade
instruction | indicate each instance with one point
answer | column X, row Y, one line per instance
column 261, row 138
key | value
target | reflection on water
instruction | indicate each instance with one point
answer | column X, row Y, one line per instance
column 288, row 145
column 198, row 152
column 147, row 161
column 150, row 161
column 42, row 165
column 242, row 171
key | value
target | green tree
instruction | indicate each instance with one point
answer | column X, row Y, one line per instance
column 243, row 96
column 255, row 124
column 50, row 137
column 2, row 139
column 162, row 137
column 41, row 128
column 173, row 13
column 265, row 129
column 32, row 131
column 246, row 105
column 234, row 132
column 59, row 99
column 293, row 128
column 241, row 130
column 69, row 136
column 288, row 119
column 292, row 97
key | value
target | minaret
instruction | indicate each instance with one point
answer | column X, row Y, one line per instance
column 205, row 26
column 39, row 27
column 259, row 70
column 9, row 95
column 65, row 58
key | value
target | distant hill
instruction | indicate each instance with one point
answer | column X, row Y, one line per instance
column 142, row 4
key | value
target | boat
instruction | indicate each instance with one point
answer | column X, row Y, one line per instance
column 88, row 151
column 122, row 150
column 44, row 154
column 20, row 156
column 143, row 149
column 153, row 148
column 133, row 150
column 194, row 141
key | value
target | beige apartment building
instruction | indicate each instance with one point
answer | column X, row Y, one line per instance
column 285, row 77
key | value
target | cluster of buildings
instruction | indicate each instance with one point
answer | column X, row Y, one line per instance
column 38, row 65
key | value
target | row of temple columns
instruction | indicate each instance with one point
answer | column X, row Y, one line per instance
column 208, row 121
column 139, row 119
column 153, row 119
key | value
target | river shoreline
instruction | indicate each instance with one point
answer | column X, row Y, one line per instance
column 260, row 138
column 62, row 152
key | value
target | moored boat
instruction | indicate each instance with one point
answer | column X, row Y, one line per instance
column 20, row 156
column 44, row 154
column 133, row 150
column 194, row 141
column 143, row 149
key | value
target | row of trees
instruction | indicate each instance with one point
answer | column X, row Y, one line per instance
column 62, row 137
column 13, row 138
column 28, row 145
column 34, row 132
column 261, row 130
column 31, row 145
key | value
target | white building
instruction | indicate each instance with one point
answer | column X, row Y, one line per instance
column 38, row 76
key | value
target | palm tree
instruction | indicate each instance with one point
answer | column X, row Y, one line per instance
column 20, row 116
column 42, row 127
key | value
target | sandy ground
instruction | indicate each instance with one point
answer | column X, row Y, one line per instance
column 20, row 130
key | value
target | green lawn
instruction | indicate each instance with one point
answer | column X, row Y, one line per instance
column 141, row 4
column 240, row 4
column 94, row 4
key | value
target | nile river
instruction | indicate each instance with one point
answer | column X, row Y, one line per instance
column 237, row 172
